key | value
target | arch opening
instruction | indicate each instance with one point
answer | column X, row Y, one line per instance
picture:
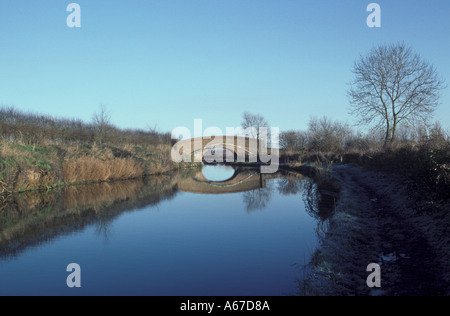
column 218, row 173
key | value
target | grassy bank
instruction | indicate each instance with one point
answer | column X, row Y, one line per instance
column 41, row 152
column 425, row 166
column 38, row 167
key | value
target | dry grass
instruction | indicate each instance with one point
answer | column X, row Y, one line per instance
column 6, row 150
column 28, row 167
column 91, row 169
column 34, row 178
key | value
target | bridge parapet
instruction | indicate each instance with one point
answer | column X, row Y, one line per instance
column 244, row 149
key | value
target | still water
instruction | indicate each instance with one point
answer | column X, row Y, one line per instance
column 217, row 231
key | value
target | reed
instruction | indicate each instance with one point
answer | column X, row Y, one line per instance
column 90, row 169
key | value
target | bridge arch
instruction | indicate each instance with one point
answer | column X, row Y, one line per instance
column 218, row 154
column 244, row 149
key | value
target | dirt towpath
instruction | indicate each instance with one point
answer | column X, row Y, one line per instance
column 413, row 250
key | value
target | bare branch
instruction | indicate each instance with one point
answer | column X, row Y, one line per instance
column 393, row 84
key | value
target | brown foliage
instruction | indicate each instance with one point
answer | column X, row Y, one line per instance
column 90, row 169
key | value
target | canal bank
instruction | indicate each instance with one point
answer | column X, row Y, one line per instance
column 376, row 222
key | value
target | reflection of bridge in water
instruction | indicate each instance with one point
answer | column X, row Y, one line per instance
column 243, row 180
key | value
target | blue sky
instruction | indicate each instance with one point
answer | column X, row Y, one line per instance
column 167, row 62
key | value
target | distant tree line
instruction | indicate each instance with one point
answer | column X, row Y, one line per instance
column 328, row 136
column 37, row 129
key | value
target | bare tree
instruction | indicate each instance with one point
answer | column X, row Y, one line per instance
column 288, row 140
column 294, row 140
column 393, row 84
column 326, row 135
column 102, row 123
column 253, row 120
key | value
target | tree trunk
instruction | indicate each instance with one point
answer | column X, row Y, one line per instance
column 388, row 133
column 394, row 129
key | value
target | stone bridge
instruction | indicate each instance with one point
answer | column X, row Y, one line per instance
column 219, row 149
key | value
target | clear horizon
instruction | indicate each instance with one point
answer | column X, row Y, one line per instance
column 166, row 63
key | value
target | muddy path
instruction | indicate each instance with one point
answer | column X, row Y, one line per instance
column 411, row 265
